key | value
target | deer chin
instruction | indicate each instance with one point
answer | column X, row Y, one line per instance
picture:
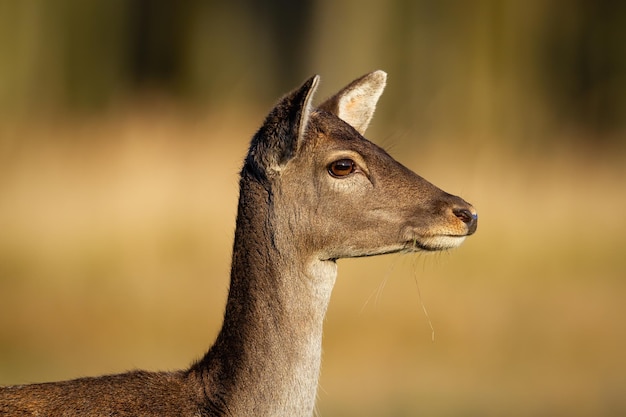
column 435, row 243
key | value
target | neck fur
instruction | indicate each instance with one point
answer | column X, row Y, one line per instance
column 266, row 359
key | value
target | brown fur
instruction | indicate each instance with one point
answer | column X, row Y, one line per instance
column 294, row 220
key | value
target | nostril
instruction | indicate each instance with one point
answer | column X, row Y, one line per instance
column 468, row 217
column 464, row 215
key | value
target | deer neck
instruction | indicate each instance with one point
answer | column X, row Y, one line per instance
column 266, row 359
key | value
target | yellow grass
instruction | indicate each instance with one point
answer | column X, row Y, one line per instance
column 115, row 239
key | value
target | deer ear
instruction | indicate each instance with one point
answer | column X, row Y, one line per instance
column 278, row 139
column 355, row 104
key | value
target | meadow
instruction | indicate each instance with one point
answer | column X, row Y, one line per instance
column 115, row 241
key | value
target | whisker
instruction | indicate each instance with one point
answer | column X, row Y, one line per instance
column 376, row 294
column 421, row 299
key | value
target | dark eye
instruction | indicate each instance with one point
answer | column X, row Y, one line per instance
column 341, row 168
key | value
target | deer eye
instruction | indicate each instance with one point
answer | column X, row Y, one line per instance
column 341, row 168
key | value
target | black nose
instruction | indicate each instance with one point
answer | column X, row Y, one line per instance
column 467, row 217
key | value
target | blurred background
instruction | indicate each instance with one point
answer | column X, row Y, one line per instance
column 122, row 129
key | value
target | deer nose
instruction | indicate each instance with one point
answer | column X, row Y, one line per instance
column 469, row 217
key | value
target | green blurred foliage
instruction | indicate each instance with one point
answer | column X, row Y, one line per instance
column 518, row 71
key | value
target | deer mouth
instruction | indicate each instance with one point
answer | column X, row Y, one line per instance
column 434, row 243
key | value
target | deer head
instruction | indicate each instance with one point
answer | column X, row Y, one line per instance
column 335, row 194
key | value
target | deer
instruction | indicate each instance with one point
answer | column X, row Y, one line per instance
column 312, row 190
